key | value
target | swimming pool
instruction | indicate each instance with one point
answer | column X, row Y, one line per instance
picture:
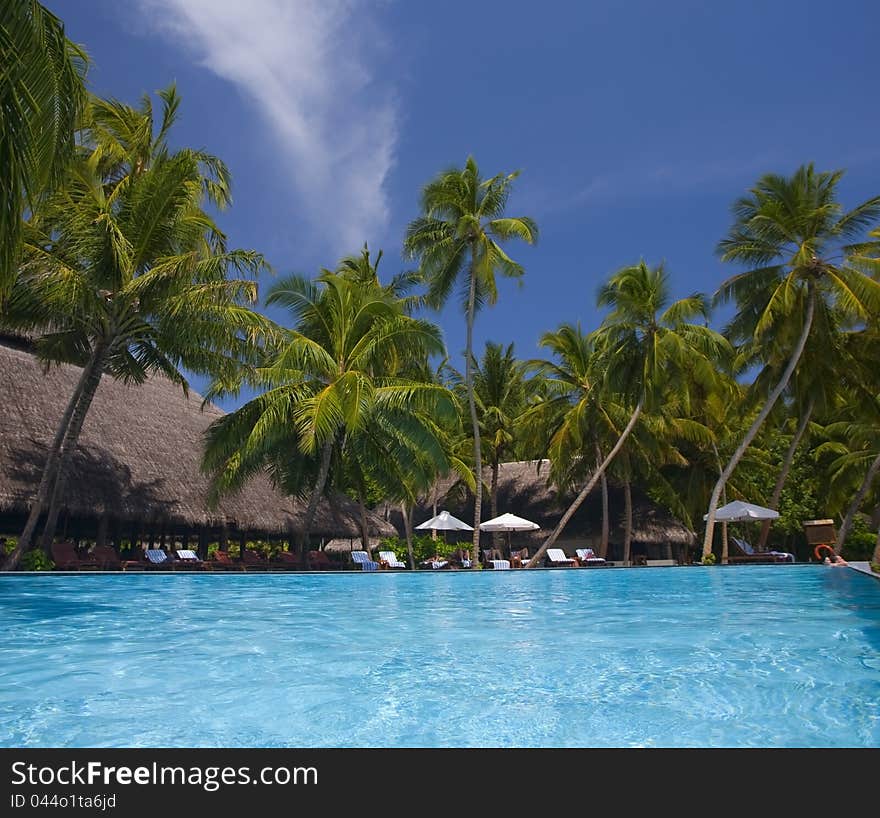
column 744, row 656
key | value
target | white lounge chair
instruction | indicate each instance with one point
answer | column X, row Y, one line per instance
column 187, row 555
column 362, row 558
column 586, row 556
column 500, row 565
column 390, row 559
column 557, row 557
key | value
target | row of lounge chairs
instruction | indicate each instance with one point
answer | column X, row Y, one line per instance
column 103, row 557
column 555, row 558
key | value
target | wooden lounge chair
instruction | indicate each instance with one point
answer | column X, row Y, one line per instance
column 66, row 559
column 362, row 558
column 556, row 558
column 223, row 562
column 285, row 561
column 745, row 553
column 587, row 558
column 252, row 561
column 319, row 561
column 109, row 560
column 388, row 559
column 461, row 558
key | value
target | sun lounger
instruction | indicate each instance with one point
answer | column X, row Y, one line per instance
column 188, row 560
column 556, row 557
column 746, row 553
column 389, row 560
column 285, row 561
column 108, row 560
column 318, row 560
column 362, row 558
column 66, row 559
column 157, row 558
column 498, row 565
column 221, row 560
column 587, row 557
column 252, row 561
column 435, row 564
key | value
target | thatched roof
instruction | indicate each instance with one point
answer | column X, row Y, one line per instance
column 523, row 490
column 139, row 456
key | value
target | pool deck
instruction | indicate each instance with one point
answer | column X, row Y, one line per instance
column 865, row 568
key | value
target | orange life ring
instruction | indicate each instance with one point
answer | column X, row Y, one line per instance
column 817, row 551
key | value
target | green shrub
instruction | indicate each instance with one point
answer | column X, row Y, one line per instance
column 860, row 542
column 7, row 545
column 36, row 560
column 709, row 559
column 424, row 547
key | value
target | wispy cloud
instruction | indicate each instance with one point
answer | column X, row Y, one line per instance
column 670, row 178
column 306, row 65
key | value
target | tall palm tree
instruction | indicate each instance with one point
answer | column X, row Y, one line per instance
column 334, row 384
column 459, row 236
column 42, row 92
column 645, row 348
column 792, row 233
column 501, row 392
column 125, row 283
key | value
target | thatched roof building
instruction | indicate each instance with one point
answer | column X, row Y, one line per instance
column 137, row 470
column 523, row 490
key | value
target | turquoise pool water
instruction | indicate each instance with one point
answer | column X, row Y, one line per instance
column 753, row 656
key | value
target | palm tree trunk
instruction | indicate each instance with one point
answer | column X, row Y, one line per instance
column 785, row 469
column 759, row 421
column 627, row 520
column 50, row 469
column 576, row 503
column 856, row 504
column 408, row 532
column 68, row 448
column 472, row 405
column 365, row 527
column 314, row 499
column 875, row 560
column 493, row 503
column 603, row 483
column 725, row 551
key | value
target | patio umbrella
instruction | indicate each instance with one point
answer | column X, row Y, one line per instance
column 508, row 523
column 739, row 511
column 444, row 521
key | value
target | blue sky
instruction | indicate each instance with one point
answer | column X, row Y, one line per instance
column 635, row 124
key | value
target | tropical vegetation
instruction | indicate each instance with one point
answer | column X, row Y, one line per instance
column 112, row 259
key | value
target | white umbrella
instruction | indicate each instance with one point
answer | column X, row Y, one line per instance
column 444, row 521
column 738, row 511
column 508, row 523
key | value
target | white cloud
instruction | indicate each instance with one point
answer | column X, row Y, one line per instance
column 306, row 65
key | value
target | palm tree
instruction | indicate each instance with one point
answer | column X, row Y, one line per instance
column 645, row 349
column 501, row 391
column 792, row 233
column 41, row 96
column 335, row 384
column 125, row 283
column 459, row 236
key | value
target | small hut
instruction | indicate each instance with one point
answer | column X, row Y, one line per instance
column 136, row 474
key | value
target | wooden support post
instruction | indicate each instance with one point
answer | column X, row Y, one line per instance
column 224, row 538
column 242, row 542
column 203, row 544
column 103, row 525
